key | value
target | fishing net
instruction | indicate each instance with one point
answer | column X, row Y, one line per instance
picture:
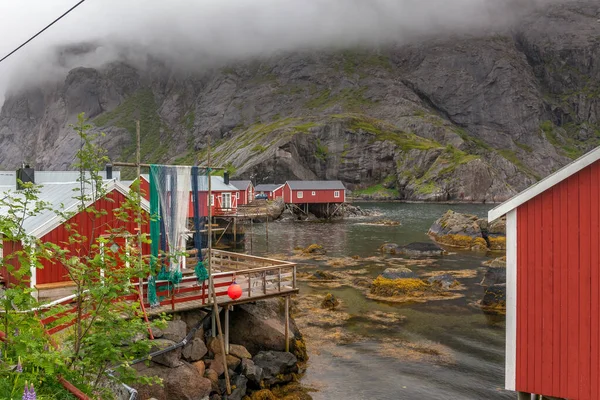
column 170, row 188
column 169, row 207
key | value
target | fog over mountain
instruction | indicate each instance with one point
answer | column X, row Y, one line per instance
column 193, row 33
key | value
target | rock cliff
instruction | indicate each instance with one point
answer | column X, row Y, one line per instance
column 455, row 118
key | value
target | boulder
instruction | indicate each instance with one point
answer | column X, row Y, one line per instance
column 175, row 331
column 261, row 326
column 181, row 383
column 398, row 273
column 277, row 366
column 239, row 351
column 251, row 371
column 238, row 387
column 495, row 273
column 495, row 297
column 213, row 377
column 156, row 332
column 214, row 345
column 420, row 249
column 171, row 359
column 216, row 365
column 233, row 362
column 445, row 281
column 469, row 232
column 390, row 248
column 330, row 302
column 194, row 350
column 323, row 276
column 200, row 366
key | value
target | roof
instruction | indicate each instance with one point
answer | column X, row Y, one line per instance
column 545, row 184
column 316, row 185
column 62, row 195
column 217, row 184
column 8, row 179
column 242, row 185
column 267, row 188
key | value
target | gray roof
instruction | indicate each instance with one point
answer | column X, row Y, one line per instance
column 242, row 185
column 9, row 178
column 316, row 185
column 217, row 184
column 267, row 188
column 58, row 196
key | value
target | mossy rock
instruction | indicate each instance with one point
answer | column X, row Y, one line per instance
column 479, row 244
column 497, row 243
column 314, row 249
column 396, row 287
column 456, row 240
column 300, row 350
column 323, row 276
column 330, row 302
column 264, row 394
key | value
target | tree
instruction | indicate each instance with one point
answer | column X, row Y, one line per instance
column 107, row 331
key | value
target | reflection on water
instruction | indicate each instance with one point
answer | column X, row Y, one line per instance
column 371, row 369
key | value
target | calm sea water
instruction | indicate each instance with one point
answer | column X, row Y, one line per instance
column 473, row 341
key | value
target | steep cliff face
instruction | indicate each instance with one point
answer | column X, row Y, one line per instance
column 473, row 118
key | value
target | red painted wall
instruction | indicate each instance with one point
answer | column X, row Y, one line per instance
column 558, row 303
column 10, row 248
column 203, row 196
column 320, row 196
column 92, row 229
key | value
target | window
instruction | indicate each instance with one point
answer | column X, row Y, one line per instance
column 212, row 200
column 300, row 195
column 314, row 193
column 237, row 195
column 336, row 194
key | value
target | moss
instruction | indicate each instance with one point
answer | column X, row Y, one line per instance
column 189, row 120
column 497, row 243
column 264, row 394
column 511, row 156
column 322, row 151
column 428, row 188
column 314, row 249
column 350, row 99
column 259, row 148
column 377, row 191
column 300, row 351
column 330, row 302
column 394, row 287
column 456, row 240
column 472, row 140
column 525, row 147
column 479, row 244
column 305, row 128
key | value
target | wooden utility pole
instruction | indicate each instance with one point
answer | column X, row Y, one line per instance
column 210, row 280
column 139, row 205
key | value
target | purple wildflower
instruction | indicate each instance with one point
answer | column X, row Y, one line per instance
column 26, row 393
column 19, row 366
column 32, row 395
column 17, row 332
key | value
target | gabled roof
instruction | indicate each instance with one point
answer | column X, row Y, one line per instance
column 61, row 195
column 545, row 184
column 242, row 185
column 267, row 187
column 316, row 185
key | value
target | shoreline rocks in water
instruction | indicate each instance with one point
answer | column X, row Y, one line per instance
column 494, row 286
column 469, row 232
column 417, row 249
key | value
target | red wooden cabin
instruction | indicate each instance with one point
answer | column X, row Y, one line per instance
column 553, row 284
column 224, row 196
column 272, row 191
column 50, row 228
column 245, row 193
column 314, row 192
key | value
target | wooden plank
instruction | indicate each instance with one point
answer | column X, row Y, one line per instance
column 546, row 282
column 573, row 288
column 564, row 287
column 538, row 300
column 584, row 283
column 55, row 285
column 594, row 282
column 556, row 274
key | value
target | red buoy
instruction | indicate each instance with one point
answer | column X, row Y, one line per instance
column 234, row 291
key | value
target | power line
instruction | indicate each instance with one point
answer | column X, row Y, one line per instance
column 40, row 32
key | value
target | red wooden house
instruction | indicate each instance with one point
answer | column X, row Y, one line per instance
column 553, row 284
column 51, row 228
column 272, row 191
column 245, row 193
column 314, row 192
column 224, row 197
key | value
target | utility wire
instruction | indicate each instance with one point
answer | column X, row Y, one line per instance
column 40, row 32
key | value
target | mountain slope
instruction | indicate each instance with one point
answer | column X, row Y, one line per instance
column 473, row 118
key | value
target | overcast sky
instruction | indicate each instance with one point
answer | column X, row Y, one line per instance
column 195, row 31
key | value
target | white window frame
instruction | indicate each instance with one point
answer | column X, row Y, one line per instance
column 336, row 194
column 300, row 195
column 314, row 193
column 237, row 195
column 226, row 196
column 212, row 200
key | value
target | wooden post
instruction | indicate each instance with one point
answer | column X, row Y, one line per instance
column 226, row 330
column 235, row 232
column 210, row 278
column 139, row 205
column 267, row 231
column 287, row 323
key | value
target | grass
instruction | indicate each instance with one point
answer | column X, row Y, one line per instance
column 566, row 145
column 259, row 148
column 525, row 147
column 377, row 191
column 322, row 151
column 349, row 99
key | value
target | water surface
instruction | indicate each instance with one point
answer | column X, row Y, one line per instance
column 473, row 341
